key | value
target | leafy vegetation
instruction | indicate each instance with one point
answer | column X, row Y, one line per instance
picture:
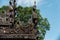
column 24, row 13
column 3, row 9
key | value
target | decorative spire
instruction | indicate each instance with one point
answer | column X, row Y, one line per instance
column 14, row 6
column 11, row 4
column 35, row 2
column 14, row 3
column 34, row 14
column 34, row 7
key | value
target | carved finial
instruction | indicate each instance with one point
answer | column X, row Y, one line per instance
column 34, row 2
column 34, row 14
column 34, row 7
column 10, row 2
column 14, row 2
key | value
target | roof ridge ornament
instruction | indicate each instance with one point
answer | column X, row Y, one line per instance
column 35, row 3
column 34, row 6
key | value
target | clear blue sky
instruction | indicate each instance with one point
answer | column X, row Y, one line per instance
column 49, row 9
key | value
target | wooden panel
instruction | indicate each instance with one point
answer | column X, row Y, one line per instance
column 25, row 36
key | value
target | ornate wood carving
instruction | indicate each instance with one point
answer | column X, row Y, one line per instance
column 19, row 30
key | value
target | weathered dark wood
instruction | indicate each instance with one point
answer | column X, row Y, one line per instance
column 19, row 36
column 22, row 32
column 15, row 39
column 26, row 36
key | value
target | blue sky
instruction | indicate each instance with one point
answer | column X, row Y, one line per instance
column 48, row 9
